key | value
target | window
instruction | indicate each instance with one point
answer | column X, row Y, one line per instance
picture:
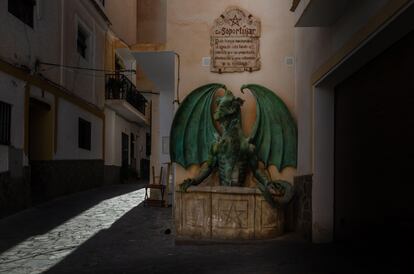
column 5, row 123
column 22, row 9
column 84, row 137
column 82, row 42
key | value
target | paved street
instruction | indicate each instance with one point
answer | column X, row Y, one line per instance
column 41, row 251
column 108, row 230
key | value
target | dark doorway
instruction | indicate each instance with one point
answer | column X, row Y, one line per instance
column 145, row 164
column 125, row 156
column 41, row 128
column 374, row 147
column 132, row 155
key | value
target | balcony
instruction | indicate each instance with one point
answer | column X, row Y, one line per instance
column 123, row 97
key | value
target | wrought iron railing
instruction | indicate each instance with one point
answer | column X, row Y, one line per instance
column 118, row 86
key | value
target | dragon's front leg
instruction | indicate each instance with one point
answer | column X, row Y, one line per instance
column 204, row 172
column 277, row 193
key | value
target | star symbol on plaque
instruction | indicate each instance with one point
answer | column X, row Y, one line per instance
column 233, row 216
column 235, row 21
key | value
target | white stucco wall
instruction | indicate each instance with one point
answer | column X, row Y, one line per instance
column 53, row 40
column 13, row 93
column 67, row 139
column 160, row 68
column 23, row 45
column 88, row 85
column 312, row 46
column 114, row 127
column 110, row 117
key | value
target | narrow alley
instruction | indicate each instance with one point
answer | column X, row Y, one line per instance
column 218, row 136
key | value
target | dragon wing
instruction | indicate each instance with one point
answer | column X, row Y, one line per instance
column 193, row 131
column 274, row 133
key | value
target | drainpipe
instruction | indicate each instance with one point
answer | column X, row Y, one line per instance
column 62, row 44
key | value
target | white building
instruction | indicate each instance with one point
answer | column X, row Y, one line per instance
column 127, row 110
column 52, row 112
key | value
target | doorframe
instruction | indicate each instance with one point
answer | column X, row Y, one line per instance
column 323, row 123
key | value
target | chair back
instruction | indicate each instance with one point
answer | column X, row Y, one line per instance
column 156, row 180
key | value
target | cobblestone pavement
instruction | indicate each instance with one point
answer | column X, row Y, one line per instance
column 40, row 252
column 108, row 230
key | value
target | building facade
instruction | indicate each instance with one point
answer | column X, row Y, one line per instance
column 127, row 109
column 52, row 97
column 354, row 117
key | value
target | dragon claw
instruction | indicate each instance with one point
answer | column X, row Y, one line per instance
column 186, row 184
column 281, row 192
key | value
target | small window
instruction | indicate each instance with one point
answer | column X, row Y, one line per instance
column 84, row 137
column 5, row 123
column 22, row 9
column 82, row 42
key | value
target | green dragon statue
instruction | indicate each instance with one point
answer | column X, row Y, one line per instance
column 194, row 140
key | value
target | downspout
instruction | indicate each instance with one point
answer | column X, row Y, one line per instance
column 62, row 44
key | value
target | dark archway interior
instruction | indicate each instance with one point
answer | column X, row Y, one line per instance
column 374, row 147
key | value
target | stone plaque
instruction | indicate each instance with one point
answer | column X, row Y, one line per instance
column 235, row 42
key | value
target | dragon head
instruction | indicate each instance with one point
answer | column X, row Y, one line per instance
column 228, row 107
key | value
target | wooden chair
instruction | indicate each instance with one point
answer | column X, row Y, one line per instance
column 156, row 184
column 167, row 182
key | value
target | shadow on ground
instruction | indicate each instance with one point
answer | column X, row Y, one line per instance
column 137, row 243
column 16, row 228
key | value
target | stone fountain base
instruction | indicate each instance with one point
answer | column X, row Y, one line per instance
column 226, row 213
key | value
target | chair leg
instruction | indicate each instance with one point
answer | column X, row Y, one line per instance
column 146, row 196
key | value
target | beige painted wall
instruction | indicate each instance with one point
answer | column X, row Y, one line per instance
column 188, row 34
column 122, row 14
column 151, row 21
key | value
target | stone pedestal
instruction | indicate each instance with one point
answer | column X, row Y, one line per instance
column 226, row 213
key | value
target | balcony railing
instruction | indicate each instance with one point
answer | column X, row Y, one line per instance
column 119, row 87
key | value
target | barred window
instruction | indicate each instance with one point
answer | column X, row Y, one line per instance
column 5, row 123
column 84, row 135
column 22, row 9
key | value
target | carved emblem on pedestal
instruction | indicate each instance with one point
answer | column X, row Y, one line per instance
column 233, row 214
